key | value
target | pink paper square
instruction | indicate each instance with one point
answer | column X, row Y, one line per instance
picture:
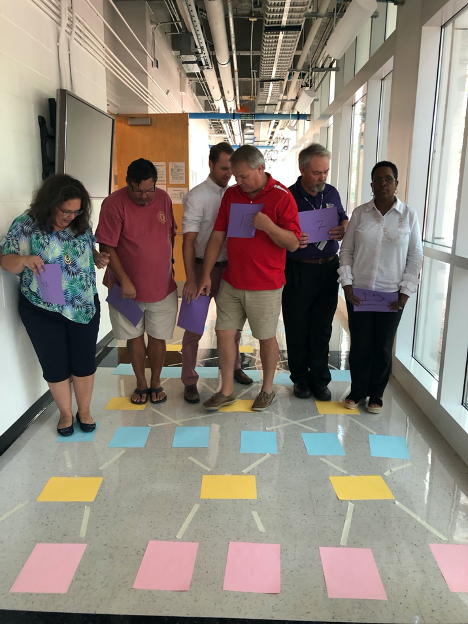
column 253, row 568
column 167, row 566
column 351, row 573
column 452, row 560
column 49, row 569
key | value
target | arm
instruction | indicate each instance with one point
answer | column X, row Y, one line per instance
column 410, row 280
column 337, row 233
column 15, row 264
column 188, row 252
column 101, row 259
column 128, row 289
column 212, row 252
column 345, row 271
column 286, row 239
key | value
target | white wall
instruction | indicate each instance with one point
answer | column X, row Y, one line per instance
column 29, row 76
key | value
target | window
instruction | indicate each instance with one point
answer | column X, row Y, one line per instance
column 384, row 116
column 357, row 153
column 391, row 19
column 449, row 126
column 330, row 136
column 432, row 301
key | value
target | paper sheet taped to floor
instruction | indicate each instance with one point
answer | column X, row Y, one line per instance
column 229, row 487
column 68, row 489
column 361, row 488
column 241, row 405
column 334, row 407
column 124, row 403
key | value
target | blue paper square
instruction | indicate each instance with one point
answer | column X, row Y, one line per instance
column 283, row 380
column 340, row 375
column 130, row 437
column 123, row 369
column 388, row 446
column 191, row 437
column 79, row 436
column 207, row 372
column 322, row 444
column 259, row 442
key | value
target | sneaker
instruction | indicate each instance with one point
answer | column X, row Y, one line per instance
column 218, row 400
column 263, row 401
column 191, row 394
column 242, row 378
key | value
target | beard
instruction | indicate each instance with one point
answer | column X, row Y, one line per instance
column 318, row 187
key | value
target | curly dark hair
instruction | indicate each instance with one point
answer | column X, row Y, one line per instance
column 55, row 190
column 385, row 163
column 140, row 170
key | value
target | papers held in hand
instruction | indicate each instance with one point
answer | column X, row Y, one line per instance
column 374, row 300
column 50, row 284
column 317, row 223
column 128, row 307
column 240, row 220
column 192, row 316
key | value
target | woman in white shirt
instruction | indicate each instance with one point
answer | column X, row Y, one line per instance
column 382, row 252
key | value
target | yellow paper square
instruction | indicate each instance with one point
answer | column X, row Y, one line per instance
column 124, row 403
column 173, row 347
column 361, row 488
column 232, row 486
column 241, row 405
column 68, row 489
column 334, row 407
column 246, row 349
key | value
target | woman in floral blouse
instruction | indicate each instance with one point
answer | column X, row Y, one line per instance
column 56, row 230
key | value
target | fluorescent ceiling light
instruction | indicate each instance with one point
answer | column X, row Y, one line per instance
column 349, row 26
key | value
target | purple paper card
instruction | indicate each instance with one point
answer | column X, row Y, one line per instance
column 317, row 223
column 128, row 307
column 50, row 284
column 192, row 316
column 240, row 220
column 374, row 300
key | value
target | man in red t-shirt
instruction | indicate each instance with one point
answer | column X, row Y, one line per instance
column 253, row 281
column 137, row 228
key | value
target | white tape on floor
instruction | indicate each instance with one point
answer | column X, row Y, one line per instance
column 195, row 461
column 421, row 521
column 259, row 461
column 347, row 524
column 111, row 461
column 84, row 524
column 363, row 426
column 333, row 465
column 12, row 511
column 392, row 470
column 258, row 522
column 189, row 519
column 67, row 459
column 176, row 422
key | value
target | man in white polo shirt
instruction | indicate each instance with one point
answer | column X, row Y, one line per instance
column 201, row 206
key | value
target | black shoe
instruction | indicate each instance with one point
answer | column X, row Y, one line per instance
column 191, row 394
column 86, row 427
column 321, row 392
column 302, row 390
column 66, row 431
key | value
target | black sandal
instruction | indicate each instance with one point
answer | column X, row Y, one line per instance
column 140, row 393
column 375, row 401
column 156, row 391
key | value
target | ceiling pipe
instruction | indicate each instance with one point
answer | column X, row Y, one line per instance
column 251, row 117
column 347, row 30
column 305, row 51
column 234, row 51
column 216, row 20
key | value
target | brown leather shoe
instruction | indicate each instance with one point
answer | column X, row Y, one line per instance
column 191, row 394
column 218, row 400
column 263, row 401
column 242, row 378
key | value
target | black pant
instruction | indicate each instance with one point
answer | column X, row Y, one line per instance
column 63, row 347
column 310, row 298
column 370, row 355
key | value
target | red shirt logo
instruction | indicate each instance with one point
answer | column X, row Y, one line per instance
column 162, row 217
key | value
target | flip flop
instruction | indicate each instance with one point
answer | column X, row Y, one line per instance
column 140, row 392
column 156, row 390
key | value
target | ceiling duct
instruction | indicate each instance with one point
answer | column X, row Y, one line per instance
column 357, row 14
column 216, row 20
column 282, row 26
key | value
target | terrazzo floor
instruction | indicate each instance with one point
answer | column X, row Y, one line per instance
column 148, row 493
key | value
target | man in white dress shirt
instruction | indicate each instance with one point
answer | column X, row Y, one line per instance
column 201, row 206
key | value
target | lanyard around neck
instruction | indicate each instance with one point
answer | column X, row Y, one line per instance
column 310, row 204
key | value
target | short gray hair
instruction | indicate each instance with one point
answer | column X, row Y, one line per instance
column 249, row 154
column 314, row 149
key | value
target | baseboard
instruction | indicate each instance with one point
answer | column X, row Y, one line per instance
column 11, row 434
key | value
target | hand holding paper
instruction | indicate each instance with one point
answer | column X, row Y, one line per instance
column 50, row 284
column 128, row 307
column 374, row 301
column 240, row 220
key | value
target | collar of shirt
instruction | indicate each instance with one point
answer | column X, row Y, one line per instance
column 398, row 205
column 215, row 187
column 268, row 187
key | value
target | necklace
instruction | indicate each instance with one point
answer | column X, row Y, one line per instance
column 384, row 229
column 67, row 258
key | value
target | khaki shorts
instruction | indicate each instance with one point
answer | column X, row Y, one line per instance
column 261, row 307
column 158, row 320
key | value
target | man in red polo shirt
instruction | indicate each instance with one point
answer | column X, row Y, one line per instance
column 137, row 228
column 253, row 281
